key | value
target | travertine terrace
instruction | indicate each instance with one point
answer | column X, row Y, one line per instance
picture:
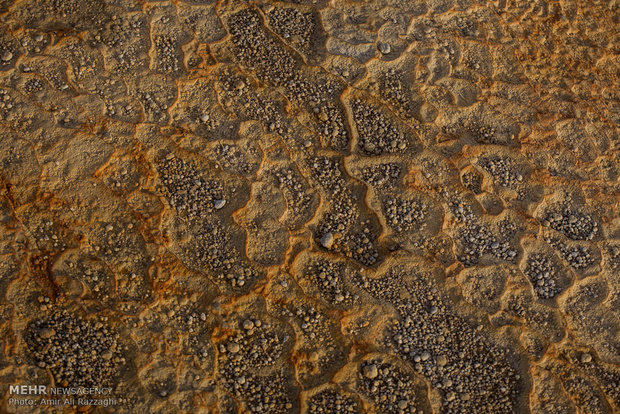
column 311, row 206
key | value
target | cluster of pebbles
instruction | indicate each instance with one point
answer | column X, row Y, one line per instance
column 77, row 351
column 402, row 215
column 187, row 190
column 443, row 348
column 542, row 274
column 391, row 390
column 329, row 278
column 573, row 224
column 379, row 175
column 377, row 135
column 504, row 170
column 577, row 255
column 331, row 401
column 477, row 239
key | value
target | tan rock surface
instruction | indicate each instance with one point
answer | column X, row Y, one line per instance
column 385, row 206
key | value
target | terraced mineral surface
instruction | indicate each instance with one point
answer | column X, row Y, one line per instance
column 386, row 206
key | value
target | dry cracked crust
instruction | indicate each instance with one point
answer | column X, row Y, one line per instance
column 390, row 206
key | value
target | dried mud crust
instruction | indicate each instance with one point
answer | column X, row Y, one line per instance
column 385, row 206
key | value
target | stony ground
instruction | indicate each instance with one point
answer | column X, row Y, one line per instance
column 386, row 206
